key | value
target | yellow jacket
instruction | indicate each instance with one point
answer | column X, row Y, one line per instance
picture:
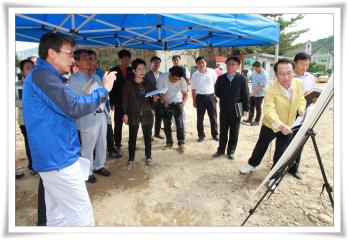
column 278, row 109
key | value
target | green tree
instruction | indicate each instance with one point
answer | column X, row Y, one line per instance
column 316, row 68
column 17, row 61
column 287, row 36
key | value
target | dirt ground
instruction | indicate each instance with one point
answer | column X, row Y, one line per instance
column 193, row 189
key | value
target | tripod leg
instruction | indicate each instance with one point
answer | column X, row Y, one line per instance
column 252, row 210
column 326, row 184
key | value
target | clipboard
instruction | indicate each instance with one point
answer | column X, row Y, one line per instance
column 156, row 92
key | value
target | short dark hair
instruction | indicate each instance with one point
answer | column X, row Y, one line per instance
column 124, row 53
column 282, row 61
column 54, row 41
column 200, row 58
column 23, row 62
column 155, row 58
column 91, row 52
column 176, row 71
column 77, row 53
column 234, row 58
column 137, row 62
column 302, row 56
column 175, row 56
column 256, row 64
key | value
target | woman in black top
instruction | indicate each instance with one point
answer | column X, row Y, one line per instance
column 137, row 110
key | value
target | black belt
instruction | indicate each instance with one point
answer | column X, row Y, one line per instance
column 207, row 95
column 99, row 111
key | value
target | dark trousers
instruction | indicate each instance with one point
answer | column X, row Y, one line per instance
column 295, row 166
column 110, row 139
column 133, row 130
column 41, row 205
column 158, row 118
column 27, row 150
column 118, row 127
column 176, row 112
column 255, row 102
column 266, row 135
column 203, row 103
column 232, row 124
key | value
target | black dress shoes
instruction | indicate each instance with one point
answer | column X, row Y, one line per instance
column 217, row 154
column 91, row 179
column 231, row 156
column 216, row 138
column 19, row 175
column 297, row 175
column 102, row 171
column 159, row 136
column 201, row 139
column 115, row 154
column 247, row 121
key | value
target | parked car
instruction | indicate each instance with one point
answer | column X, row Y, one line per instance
column 322, row 79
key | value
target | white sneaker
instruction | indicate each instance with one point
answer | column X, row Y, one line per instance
column 271, row 184
column 247, row 169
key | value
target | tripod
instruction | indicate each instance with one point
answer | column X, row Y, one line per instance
column 279, row 175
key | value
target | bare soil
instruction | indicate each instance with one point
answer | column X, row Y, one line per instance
column 193, row 189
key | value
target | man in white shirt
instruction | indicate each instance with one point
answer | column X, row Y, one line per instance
column 302, row 62
column 173, row 103
column 176, row 60
column 202, row 85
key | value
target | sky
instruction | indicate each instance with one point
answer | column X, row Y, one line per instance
column 320, row 25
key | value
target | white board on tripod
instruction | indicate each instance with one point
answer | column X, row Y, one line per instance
column 309, row 122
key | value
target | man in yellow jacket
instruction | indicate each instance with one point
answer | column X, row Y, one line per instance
column 283, row 100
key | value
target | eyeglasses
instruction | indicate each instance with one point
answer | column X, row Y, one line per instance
column 70, row 53
column 289, row 74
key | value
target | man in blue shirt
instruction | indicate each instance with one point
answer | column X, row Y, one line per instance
column 93, row 126
column 259, row 81
column 50, row 110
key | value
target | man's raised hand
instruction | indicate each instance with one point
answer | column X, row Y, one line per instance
column 108, row 80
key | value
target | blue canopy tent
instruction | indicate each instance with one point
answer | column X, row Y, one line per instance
column 152, row 31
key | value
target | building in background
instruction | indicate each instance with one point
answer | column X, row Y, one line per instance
column 187, row 59
column 267, row 61
column 324, row 57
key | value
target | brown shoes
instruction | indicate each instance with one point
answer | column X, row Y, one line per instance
column 168, row 146
column 181, row 148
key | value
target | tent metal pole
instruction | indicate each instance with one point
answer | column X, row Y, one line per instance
column 65, row 20
column 73, row 21
column 176, row 34
column 29, row 37
column 117, row 28
column 43, row 22
column 85, row 22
